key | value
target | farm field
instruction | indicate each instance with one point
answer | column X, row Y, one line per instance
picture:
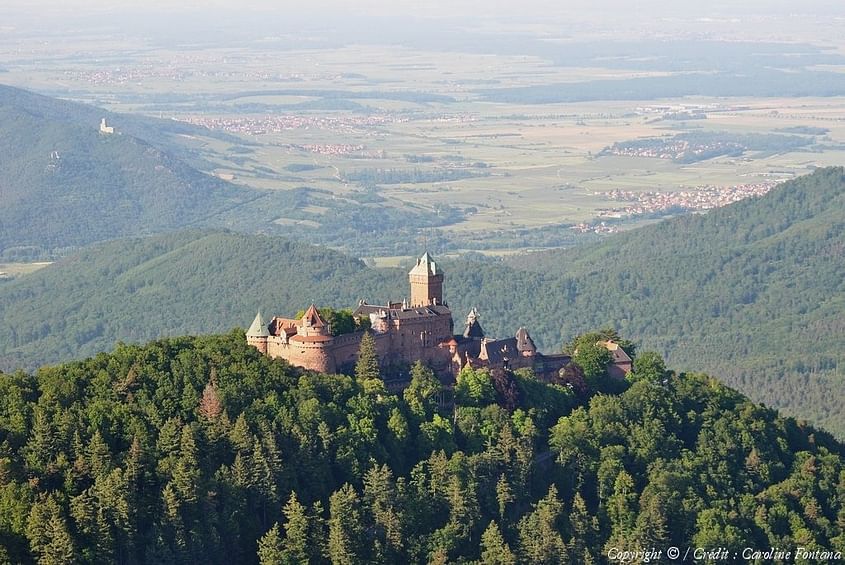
column 10, row 271
column 415, row 130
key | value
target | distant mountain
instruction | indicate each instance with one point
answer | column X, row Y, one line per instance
column 64, row 184
column 754, row 292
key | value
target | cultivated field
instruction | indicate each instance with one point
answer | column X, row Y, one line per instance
column 411, row 129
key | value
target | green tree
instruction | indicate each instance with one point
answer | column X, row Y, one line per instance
column 474, row 387
column 270, row 549
column 346, row 529
column 296, row 546
column 621, row 510
column 421, row 394
column 649, row 365
column 504, row 496
column 48, row 534
column 494, row 549
column 367, row 365
column 593, row 360
column 539, row 532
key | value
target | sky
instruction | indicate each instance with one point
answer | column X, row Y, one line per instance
column 447, row 8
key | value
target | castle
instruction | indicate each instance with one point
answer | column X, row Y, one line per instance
column 404, row 332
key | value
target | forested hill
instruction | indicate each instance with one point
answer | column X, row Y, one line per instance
column 754, row 292
column 63, row 184
column 184, row 283
column 201, row 450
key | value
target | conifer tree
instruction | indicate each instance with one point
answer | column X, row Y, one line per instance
column 384, row 506
column 494, row 549
column 99, row 455
column 210, row 406
column 622, row 513
column 270, row 550
column 48, row 534
column 296, row 545
column 539, row 534
column 504, row 495
column 584, row 528
column 367, row 367
column 345, row 527
column 186, row 474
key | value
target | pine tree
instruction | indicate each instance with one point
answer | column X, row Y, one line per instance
column 385, row 508
column 345, row 527
column 48, row 534
column 494, row 550
column 296, row 542
column 210, row 406
column 504, row 495
column 367, row 367
column 43, row 443
column 270, row 550
column 186, row 474
column 539, row 534
column 99, row 455
column 622, row 513
column 59, row 549
column 241, row 436
column 584, row 528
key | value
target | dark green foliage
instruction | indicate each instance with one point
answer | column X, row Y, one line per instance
column 113, row 459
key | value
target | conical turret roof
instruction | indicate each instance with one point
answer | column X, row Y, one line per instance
column 312, row 318
column 258, row 327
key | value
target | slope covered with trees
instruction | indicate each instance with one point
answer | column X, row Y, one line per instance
column 190, row 282
column 203, row 450
column 752, row 292
column 63, row 184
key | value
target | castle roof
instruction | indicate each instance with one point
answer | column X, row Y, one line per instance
column 426, row 266
column 619, row 355
column 495, row 352
column 312, row 318
column 473, row 328
column 258, row 328
column 524, row 341
column 429, row 311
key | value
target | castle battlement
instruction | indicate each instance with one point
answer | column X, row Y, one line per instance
column 405, row 332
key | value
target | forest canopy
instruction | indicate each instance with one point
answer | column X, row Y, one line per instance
column 199, row 449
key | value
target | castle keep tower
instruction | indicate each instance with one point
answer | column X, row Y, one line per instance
column 426, row 283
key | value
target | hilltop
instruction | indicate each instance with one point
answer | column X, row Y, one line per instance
column 752, row 292
column 204, row 450
column 63, row 184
